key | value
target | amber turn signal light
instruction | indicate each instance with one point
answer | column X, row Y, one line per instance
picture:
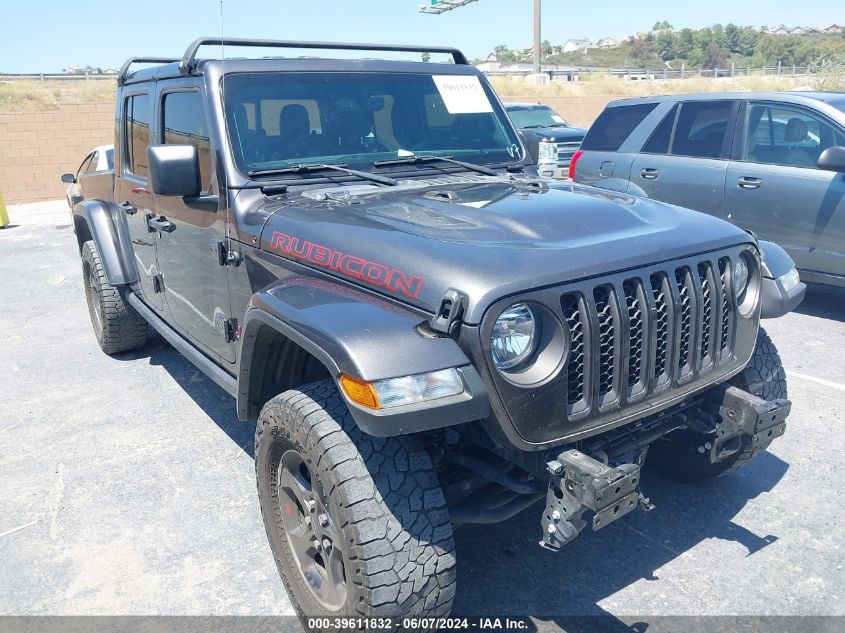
column 360, row 392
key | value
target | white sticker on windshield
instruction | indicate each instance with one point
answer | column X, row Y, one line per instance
column 558, row 119
column 462, row 94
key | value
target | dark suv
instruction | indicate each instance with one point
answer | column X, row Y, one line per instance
column 426, row 334
column 772, row 163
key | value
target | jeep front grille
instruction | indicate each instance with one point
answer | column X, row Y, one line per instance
column 637, row 337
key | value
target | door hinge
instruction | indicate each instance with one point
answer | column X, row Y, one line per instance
column 231, row 330
column 158, row 283
column 225, row 256
column 449, row 312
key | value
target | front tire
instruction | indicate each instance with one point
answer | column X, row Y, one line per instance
column 358, row 525
column 678, row 454
column 117, row 325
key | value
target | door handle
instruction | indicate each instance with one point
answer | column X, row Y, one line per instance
column 649, row 173
column 128, row 207
column 161, row 224
column 747, row 182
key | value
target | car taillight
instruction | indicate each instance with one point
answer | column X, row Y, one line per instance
column 572, row 162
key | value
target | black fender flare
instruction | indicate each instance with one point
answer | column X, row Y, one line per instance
column 104, row 223
column 363, row 336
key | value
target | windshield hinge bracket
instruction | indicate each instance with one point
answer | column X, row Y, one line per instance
column 449, row 312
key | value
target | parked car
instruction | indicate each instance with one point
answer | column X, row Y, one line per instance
column 771, row 163
column 426, row 334
column 93, row 176
column 550, row 139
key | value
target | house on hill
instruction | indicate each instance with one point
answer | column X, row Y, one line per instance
column 834, row 28
column 578, row 45
column 608, row 42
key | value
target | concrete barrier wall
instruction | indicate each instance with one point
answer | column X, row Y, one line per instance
column 36, row 148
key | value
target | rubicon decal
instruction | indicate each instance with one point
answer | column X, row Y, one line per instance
column 349, row 265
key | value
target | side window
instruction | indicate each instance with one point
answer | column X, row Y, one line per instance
column 183, row 122
column 662, row 136
column 786, row 135
column 136, row 134
column 614, row 125
column 700, row 131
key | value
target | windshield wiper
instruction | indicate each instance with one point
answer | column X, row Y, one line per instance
column 341, row 167
column 418, row 160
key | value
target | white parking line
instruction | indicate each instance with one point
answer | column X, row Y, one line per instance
column 818, row 381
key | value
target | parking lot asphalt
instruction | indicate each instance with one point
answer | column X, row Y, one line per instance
column 127, row 484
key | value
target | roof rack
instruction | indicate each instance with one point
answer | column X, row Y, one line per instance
column 189, row 59
column 124, row 70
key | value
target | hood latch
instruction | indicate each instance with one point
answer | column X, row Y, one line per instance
column 449, row 312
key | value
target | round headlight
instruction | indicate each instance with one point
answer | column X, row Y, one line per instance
column 740, row 275
column 514, row 337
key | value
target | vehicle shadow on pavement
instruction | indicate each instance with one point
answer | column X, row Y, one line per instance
column 502, row 567
column 826, row 302
column 214, row 401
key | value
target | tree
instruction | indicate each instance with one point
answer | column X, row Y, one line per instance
column 504, row 54
column 666, row 48
column 639, row 49
column 546, row 48
column 714, row 56
column 663, row 25
column 733, row 37
column 685, row 43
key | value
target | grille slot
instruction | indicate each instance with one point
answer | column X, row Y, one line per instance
column 663, row 329
column 707, row 293
column 607, row 338
column 636, row 306
column 685, row 292
column 574, row 317
column 727, row 314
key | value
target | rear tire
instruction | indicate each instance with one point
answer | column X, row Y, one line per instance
column 117, row 325
column 374, row 504
column 678, row 454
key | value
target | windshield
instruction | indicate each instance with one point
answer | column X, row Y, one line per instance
column 525, row 117
column 278, row 120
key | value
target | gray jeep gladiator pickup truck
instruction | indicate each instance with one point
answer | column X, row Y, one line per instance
column 360, row 252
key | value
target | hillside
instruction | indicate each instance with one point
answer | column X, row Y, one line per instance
column 712, row 47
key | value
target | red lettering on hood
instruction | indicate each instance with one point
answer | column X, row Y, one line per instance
column 349, row 265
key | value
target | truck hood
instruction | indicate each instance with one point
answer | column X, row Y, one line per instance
column 556, row 134
column 486, row 237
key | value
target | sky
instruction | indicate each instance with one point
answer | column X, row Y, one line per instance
column 48, row 35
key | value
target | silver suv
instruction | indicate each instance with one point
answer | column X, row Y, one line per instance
column 772, row 163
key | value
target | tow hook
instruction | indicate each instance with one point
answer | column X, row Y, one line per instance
column 581, row 484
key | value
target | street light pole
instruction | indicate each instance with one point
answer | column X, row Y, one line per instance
column 537, row 42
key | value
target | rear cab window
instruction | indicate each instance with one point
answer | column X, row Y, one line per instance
column 614, row 125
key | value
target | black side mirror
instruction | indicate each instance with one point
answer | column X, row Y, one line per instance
column 68, row 178
column 174, row 170
column 833, row 159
